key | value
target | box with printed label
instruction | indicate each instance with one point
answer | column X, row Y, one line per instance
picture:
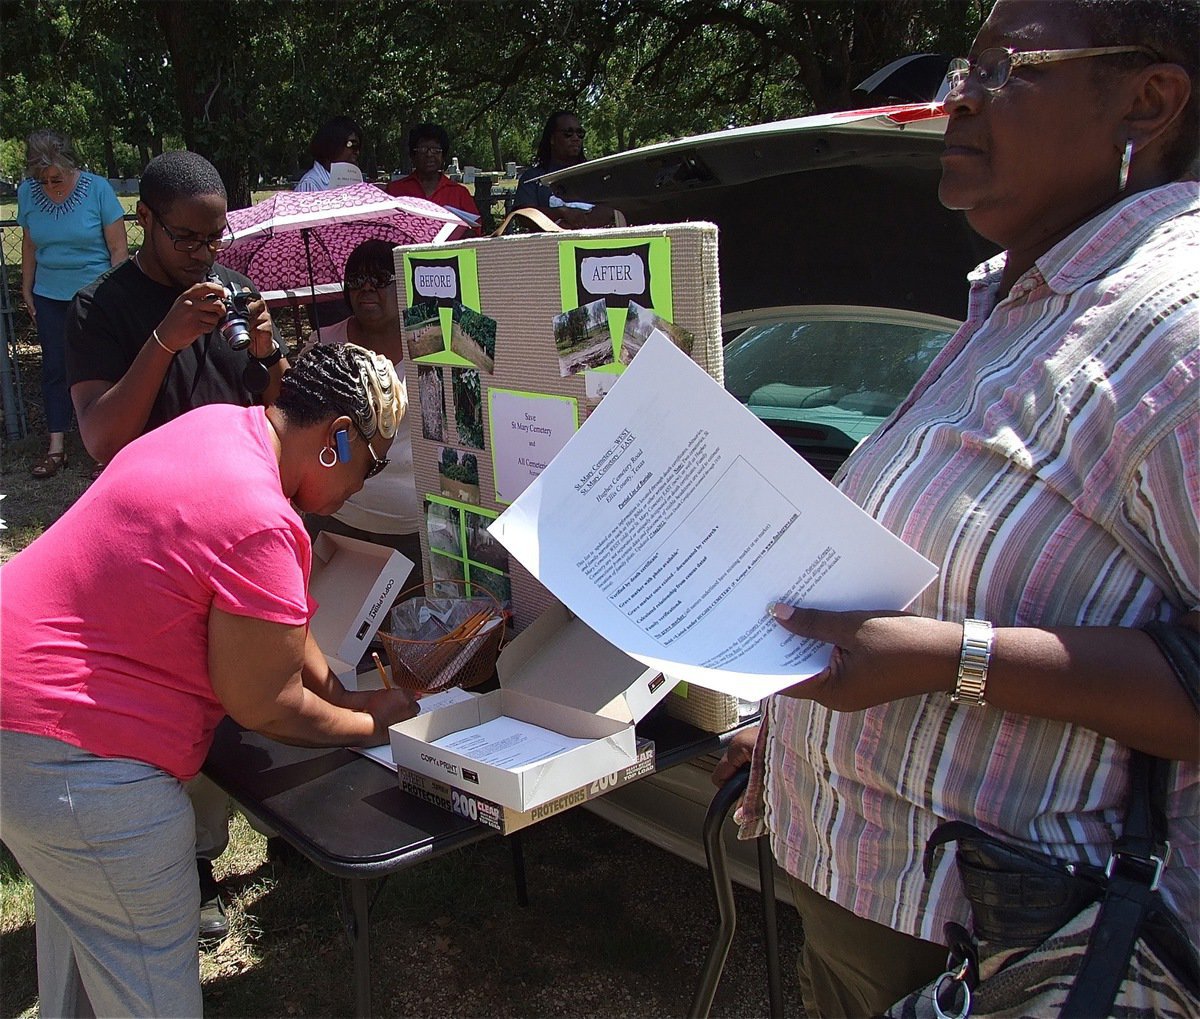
column 562, row 687
column 354, row 584
column 507, row 820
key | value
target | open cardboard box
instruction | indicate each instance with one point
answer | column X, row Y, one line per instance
column 354, row 584
column 542, row 683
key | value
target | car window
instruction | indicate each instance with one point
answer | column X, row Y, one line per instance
column 824, row 384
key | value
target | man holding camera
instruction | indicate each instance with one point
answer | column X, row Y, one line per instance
column 148, row 341
column 143, row 343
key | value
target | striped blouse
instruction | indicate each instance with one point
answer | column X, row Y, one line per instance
column 1049, row 464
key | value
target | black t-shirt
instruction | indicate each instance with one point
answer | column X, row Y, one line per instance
column 110, row 321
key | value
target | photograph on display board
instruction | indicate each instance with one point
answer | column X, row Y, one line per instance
column 431, row 391
column 448, row 575
column 497, row 583
column 481, row 546
column 468, row 406
column 458, row 475
column 423, row 329
column 444, row 527
column 582, row 338
column 473, row 336
column 641, row 322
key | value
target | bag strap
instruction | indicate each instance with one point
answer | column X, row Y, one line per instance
column 1134, row 871
column 531, row 215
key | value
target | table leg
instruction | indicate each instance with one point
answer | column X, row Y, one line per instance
column 356, row 914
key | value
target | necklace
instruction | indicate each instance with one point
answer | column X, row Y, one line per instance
column 138, row 262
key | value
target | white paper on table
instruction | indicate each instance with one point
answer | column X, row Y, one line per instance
column 673, row 518
column 505, row 742
column 382, row 754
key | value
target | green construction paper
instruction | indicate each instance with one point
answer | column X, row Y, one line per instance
column 659, row 264
column 468, row 285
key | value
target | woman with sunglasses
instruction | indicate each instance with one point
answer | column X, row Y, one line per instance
column 387, row 510
column 72, row 230
column 337, row 141
column 172, row 593
column 560, row 146
column 428, row 147
column 1046, row 463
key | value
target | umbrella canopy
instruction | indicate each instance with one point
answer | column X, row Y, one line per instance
column 299, row 240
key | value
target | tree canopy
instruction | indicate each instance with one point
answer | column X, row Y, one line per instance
column 246, row 82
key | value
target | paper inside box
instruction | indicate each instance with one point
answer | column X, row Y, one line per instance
column 610, row 747
column 354, row 584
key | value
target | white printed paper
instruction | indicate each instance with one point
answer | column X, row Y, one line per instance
column 382, row 754
column 674, row 517
column 508, row 743
column 528, row 430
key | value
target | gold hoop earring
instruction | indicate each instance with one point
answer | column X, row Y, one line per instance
column 333, row 457
column 1126, row 159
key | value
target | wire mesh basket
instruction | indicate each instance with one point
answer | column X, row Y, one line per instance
column 434, row 642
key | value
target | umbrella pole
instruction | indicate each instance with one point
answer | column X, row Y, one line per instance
column 312, row 283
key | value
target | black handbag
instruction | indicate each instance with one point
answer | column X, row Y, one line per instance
column 1053, row 937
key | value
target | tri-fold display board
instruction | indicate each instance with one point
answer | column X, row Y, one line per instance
column 509, row 344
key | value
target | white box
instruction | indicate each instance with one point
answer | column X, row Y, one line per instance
column 507, row 820
column 354, row 584
column 559, row 674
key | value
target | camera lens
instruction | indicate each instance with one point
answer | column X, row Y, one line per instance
column 236, row 330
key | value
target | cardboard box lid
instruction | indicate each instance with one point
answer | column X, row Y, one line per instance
column 354, row 583
column 559, row 658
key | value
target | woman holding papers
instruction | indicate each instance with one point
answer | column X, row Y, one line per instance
column 173, row 592
column 1047, row 463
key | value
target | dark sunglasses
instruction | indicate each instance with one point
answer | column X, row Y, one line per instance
column 354, row 144
column 373, row 279
column 378, row 463
column 572, row 132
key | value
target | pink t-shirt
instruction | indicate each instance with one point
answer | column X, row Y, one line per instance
column 104, row 618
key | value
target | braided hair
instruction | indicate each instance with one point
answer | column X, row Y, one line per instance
column 344, row 379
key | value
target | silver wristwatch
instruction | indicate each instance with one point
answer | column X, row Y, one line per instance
column 973, row 663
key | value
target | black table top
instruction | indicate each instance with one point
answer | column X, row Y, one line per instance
column 347, row 814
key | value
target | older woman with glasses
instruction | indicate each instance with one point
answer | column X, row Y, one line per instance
column 560, row 146
column 387, row 510
column 1047, row 464
column 428, row 147
column 172, row 593
column 72, row 230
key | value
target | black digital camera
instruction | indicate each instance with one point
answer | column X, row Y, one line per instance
column 235, row 323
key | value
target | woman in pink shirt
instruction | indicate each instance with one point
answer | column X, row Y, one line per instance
column 172, row 593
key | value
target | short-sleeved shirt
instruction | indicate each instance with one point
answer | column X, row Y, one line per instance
column 315, row 179
column 105, row 615
column 68, row 235
column 448, row 194
column 110, row 321
column 1048, row 463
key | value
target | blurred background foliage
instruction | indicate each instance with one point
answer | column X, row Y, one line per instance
column 246, row 82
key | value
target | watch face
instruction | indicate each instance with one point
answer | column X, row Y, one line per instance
column 256, row 376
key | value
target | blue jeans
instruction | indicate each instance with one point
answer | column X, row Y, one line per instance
column 52, row 335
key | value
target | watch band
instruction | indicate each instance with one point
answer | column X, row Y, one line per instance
column 272, row 358
column 973, row 662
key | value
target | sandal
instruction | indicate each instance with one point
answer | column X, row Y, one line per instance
column 49, row 465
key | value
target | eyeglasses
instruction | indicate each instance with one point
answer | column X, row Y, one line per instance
column 378, row 463
column 429, row 150
column 572, row 132
column 373, row 279
column 354, row 144
column 191, row 244
column 993, row 67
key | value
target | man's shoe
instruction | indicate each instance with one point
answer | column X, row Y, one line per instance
column 214, row 924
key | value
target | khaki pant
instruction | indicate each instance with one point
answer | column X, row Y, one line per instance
column 850, row 967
